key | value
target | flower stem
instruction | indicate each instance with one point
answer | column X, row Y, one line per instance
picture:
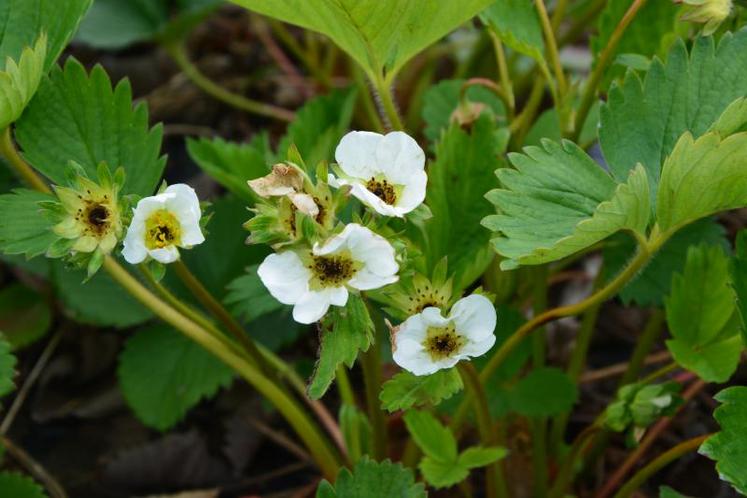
column 178, row 53
column 554, row 57
column 371, row 365
column 658, row 463
column 496, row 482
column 27, row 174
column 645, row 342
column 344, row 388
column 504, row 76
column 388, row 106
column 604, row 60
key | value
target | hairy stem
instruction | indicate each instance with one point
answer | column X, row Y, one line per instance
column 388, row 105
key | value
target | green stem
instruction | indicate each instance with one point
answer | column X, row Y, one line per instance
column 558, row 14
column 520, row 126
column 567, row 468
column 661, row 372
column 387, row 103
column 344, row 387
column 496, row 482
column 604, row 60
column 644, row 344
column 22, row 168
column 369, row 105
column 552, row 52
column 371, row 365
column 504, row 76
column 178, row 53
column 538, row 426
column 659, row 463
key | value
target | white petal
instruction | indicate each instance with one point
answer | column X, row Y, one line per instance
column 312, row 306
column 371, row 200
column 413, row 193
column 148, row 205
column 285, row 276
column 407, row 348
column 338, row 296
column 134, row 250
column 367, row 280
column 399, row 157
column 192, row 234
column 305, row 203
column 356, row 153
column 433, row 318
column 373, row 250
column 333, row 244
column 474, row 317
column 165, row 255
column 477, row 348
column 183, row 202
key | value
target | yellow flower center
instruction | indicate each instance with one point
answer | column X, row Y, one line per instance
column 333, row 270
column 162, row 229
column 442, row 342
column 382, row 189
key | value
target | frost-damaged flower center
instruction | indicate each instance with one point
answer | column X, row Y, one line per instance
column 442, row 342
column 162, row 229
column 383, row 190
column 331, row 271
column 95, row 216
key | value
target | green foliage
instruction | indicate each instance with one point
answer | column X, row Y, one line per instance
column 380, row 35
column 442, row 99
column 7, row 368
column 371, row 479
column 344, row 331
column 163, row 374
column 729, row 447
column 442, row 465
column 650, row 286
column 356, row 430
column 642, row 120
column 19, row 81
column 405, row 390
column 667, row 492
column 319, row 126
column 99, row 301
column 15, row 485
column 559, row 201
column 79, row 117
column 544, row 392
column 22, row 22
column 25, row 316
column 640, row 405
column 114, row 24
column 702, row 316
column 457, row 183
column 518, row 26
column 739, row 278
column 24, row 229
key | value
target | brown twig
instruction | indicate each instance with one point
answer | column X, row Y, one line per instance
column 34, row 468
column 620, row 368
column 279, row 439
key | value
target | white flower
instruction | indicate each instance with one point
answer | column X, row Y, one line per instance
column 313, row 280
column 385, row 172
column 428, row 342
column 162, row 223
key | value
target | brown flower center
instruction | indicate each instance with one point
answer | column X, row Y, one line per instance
column 331, row 271
column 442, row 342
column 383, row 190
column 96, row 217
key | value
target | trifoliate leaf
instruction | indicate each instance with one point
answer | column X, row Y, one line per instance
column 405, row 390
column 642, row 120
column 371, row 479
column 640, row 405
column 232, row 164
column 441, row 100
column 24, row 229
column 729, row 447
column 319, row 126
column 163, row 374
column 544, row 392
column 457, row 183
column 739, row 278
column 13, row 484
column 431, row 436
column 80, row 117
column 19, row 81
column 114, row 24
column 650, row 286
column 702, row 316
column 559, row 201
column 99, row 301
column 380, row 35
column 517, row 24
column 7, row 368
column 25, row 316
column 22, row 22
column 344, row 331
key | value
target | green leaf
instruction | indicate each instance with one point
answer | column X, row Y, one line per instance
column 344, row 331
column 559, row 201
column 79, row 117
column 667, row 492
column 7, row 368
column 642, row 120
column 23, row 227
column 650, row 33
column 19, row 81
column 405, row 390
column 739, row 278
column 319, row 126
column 114, row 24
column 457, row 183
column 232, row 164
column 650, row 286
column 25, row 316
column 371, row 479
column 702, row 316
column 99, row 301
column 518, row 26
column 477, row 456
column 380, row 35
column 729, row 447
column 13, row 484
column 22, row 22
column 441, row 100
column 431, row 436
column 702, row 177
column 163, row 374
column 544, row 392
column 442, row 474
column 640, row 405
